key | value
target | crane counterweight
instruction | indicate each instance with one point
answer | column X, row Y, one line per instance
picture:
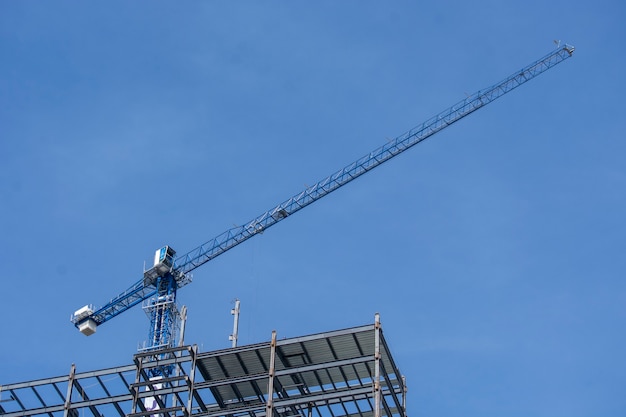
column 82, row 318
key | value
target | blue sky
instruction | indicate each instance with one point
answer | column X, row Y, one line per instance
column 493, row 251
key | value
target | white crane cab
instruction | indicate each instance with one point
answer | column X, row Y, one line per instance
column 163, row 262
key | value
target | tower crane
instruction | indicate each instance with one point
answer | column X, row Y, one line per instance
column 158, row 287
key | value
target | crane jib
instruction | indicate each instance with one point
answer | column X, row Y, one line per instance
column 236, row 235
column 183, row 265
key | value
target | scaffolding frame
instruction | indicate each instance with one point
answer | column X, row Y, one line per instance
column 341, row 373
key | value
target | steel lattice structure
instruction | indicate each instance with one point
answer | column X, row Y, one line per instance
column 162, row 281
column 341, row 373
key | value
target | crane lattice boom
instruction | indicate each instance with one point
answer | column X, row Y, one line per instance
column 161, row 282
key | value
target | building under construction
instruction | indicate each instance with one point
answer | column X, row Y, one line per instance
column 337, row 374
column 340, row 373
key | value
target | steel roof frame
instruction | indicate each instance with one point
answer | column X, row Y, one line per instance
column 342, row 373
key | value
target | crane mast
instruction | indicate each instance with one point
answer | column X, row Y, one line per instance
column 158, row 287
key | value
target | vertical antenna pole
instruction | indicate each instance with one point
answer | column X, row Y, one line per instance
column 235, row 312
column 183, row 322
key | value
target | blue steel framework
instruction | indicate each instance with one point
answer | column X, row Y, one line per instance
column 341, row 373
column 179, row 274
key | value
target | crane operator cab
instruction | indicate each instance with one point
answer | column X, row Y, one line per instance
column 163, row 262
